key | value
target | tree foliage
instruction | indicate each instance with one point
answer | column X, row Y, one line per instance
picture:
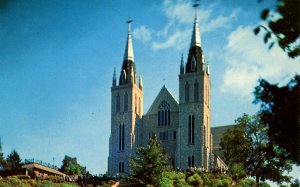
column 13, row 161
column 71, row 167
column 2, row 159
column 283, row 24
column 248, row 144
column 280, row 111
column 148, row 164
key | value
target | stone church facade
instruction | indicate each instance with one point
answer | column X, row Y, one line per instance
column 183, row 126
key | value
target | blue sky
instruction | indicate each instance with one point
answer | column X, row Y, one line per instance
column 57, row 60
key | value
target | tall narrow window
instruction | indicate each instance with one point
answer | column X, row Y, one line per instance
column 118, row 103
column 204, row 136
column 125, row 102
column 123, row 137
column 173, row 163
column 196, row 91
column 169, row 117
column 164, row 113
column 158, row 119
column 121, row 167
column 191, row 129
column 140, row 106
column 193, row 161
column 120, row 137
column 174, row 135
column 189, row 161
column 187, row 92
column 135, row 104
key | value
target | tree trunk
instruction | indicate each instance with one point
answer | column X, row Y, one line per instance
column 257, row 180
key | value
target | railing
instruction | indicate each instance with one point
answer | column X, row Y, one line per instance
column 30, row 161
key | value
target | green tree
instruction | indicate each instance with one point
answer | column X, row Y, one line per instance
column 2, row 159
column 260, row 159
column 13, row 161
column 148, row 165
column 283, row 25
column 280, row 111
column 71, row 167
column 237, row 172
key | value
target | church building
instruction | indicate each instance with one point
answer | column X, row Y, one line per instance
column 182, row 126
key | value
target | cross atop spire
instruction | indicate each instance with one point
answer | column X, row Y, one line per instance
column 196, row 34
column 128, row 55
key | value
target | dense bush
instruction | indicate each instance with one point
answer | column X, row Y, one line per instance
column 195, row 180
column 247, row 183
column 54, row 179
column 25, row 177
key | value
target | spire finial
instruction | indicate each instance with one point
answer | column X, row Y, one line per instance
column 196, row 35
column 129, row 21
column 195, row 5
column 129, row 50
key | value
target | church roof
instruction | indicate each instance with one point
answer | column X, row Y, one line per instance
column 164, row 94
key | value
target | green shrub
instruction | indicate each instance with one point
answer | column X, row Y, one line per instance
column 207, row 179
column 24, row 177
column 195, row 180
column 216, row 183
column 247, row 182
column 68, row 185
column 54, row 179
column 264, row 184
column 46, row 183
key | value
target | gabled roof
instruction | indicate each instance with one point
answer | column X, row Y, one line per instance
column 163, row 95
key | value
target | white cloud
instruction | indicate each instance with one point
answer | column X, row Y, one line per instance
column 219, row 22
column 180, row 14
column 142, row 33
column 176, row 40
column 249, row 59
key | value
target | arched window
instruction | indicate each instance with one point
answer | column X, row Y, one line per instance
column 125, row 102
column 118, row 103
column 187, row 92
column 193, row 64
column 191, row 129
column 164, row 113
column 196, row 91
column 123, row 77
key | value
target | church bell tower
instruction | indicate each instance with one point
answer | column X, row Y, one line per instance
column 126, row 112
column 194, row 107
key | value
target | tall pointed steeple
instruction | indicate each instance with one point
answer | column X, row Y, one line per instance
column 128, row 72
column 196, row 34
column 128, row 55
column 195, row 57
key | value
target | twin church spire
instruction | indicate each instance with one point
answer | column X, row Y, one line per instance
column 128, row 72
column 195, row 61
